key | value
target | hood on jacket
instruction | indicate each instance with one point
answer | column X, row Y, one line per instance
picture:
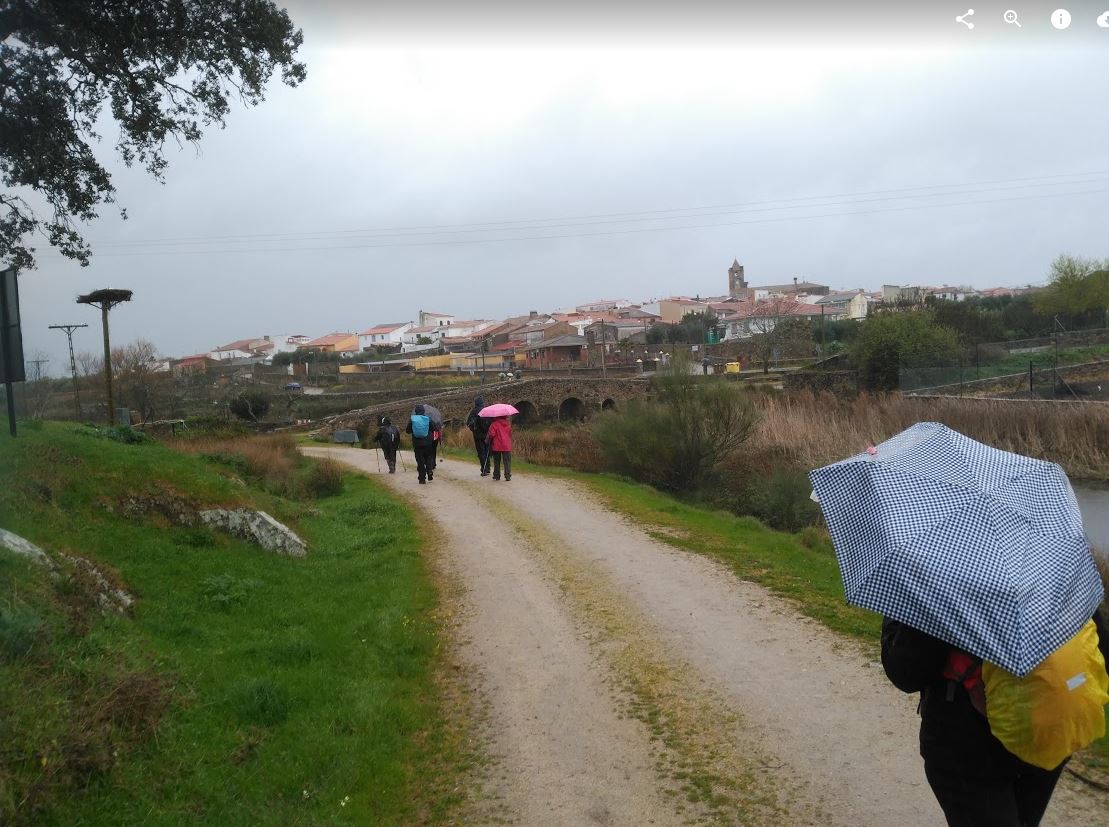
column 385, row 421
column 419, row 409
column 479, row 403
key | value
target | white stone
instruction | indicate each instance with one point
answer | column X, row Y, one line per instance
column 24, row 548
column 256, row 527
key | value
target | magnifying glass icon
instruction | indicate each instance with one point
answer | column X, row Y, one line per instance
column 1011, row 17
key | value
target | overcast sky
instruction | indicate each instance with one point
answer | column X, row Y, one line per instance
column 487, row 166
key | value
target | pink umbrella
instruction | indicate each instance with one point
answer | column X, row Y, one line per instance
column 497, row 409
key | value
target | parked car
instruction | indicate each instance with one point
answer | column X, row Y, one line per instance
column 291, row 386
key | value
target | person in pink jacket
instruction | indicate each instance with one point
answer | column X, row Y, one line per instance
column 499, row 440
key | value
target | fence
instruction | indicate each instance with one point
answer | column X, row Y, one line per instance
column 1032, row 368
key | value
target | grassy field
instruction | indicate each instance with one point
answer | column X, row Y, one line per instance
column 244, row 687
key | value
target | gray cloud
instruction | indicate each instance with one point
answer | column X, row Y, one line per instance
column 393, row 131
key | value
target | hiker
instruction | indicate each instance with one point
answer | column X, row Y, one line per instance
column 419, row 425
column 705, row 365
column 436, row 420
column 388, row 437
column 976, row 780
column 499, row 441
column 479, row 427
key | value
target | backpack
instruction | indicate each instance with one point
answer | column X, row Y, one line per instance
column 420, row 425
column 1054, row 711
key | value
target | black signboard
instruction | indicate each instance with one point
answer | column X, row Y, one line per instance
column 11, row 339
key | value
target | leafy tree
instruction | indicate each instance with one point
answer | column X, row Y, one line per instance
column 1079, row 286
column 891, row 340
column 165, row 70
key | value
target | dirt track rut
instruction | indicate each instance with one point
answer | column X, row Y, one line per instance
column 627, row 682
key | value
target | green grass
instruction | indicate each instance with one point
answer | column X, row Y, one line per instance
column 246, row 688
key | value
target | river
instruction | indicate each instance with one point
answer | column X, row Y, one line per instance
column 1094, row 503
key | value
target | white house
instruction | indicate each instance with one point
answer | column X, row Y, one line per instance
column 437, row 319
column 602, row 305
column 851, row 304
column 383, row 335
column 469, row 327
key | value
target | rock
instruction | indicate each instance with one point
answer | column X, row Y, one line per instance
column 24, row 548
column 109, row 596
column 255, row 527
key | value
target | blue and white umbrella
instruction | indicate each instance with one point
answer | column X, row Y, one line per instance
column 979, row 547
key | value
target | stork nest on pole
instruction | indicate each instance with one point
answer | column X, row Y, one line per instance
column 108, row 297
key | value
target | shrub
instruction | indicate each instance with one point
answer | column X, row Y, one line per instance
column 676, row 440
column 252, row 405
column 325, row 479
column 783, row 501
column 117, row 433
column 817, row 538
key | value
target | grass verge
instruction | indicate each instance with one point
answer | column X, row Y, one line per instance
column 243, row 688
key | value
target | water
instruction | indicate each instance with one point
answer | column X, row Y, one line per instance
column 1094, row 503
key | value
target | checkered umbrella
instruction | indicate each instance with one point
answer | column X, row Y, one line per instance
column 979, row 547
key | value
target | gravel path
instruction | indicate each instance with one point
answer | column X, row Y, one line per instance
column 628, row 682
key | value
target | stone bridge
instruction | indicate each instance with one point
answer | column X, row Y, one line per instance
column 537, row 399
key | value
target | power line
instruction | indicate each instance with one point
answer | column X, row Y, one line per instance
column 598, row 233
column 676, row 213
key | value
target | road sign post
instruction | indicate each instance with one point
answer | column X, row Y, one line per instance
column 11, row 340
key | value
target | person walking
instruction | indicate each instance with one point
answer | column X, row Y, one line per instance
column 419, row 425
column 436, row 418
column 479, row 427
column 975, row 779
column 388, row 437
column 499, row 440
column 705, row 366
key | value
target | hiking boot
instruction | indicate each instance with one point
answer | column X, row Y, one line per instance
column 508, row 479
column 423, row 482
column 498, row 479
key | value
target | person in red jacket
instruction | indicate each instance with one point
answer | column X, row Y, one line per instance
column 499, row 440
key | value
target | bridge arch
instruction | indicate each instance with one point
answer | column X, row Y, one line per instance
column 572, row 409
column 528, row 412
column 608, row 405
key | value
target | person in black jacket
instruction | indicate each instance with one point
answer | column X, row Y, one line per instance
column 388, row 437
column 419, row 425
column 977, row 782
column 479, row 427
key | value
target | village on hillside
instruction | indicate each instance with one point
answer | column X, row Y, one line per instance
column 581, row 336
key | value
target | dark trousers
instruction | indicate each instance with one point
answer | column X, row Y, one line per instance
column 425, row 460
column 497, row 457
column 434, row 454
column 482, row 452
column 973, row 798
column 390, row 453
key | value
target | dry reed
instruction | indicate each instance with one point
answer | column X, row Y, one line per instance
column 820, row 428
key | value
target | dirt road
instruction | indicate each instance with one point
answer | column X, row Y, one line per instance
column 627, row 682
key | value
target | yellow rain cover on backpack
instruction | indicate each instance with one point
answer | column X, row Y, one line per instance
column 1057, row 709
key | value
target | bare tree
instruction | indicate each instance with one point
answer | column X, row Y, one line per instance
column 89, row 364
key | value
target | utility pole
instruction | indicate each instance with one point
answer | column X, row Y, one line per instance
column 106, row 299
column 69, row 328
column 36, row 377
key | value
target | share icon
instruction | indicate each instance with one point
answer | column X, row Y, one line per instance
column 962, row 18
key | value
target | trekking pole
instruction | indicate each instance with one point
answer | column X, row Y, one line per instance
column 377, row 456
column 403, row 467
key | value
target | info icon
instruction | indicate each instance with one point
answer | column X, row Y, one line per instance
column 1060, row 18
